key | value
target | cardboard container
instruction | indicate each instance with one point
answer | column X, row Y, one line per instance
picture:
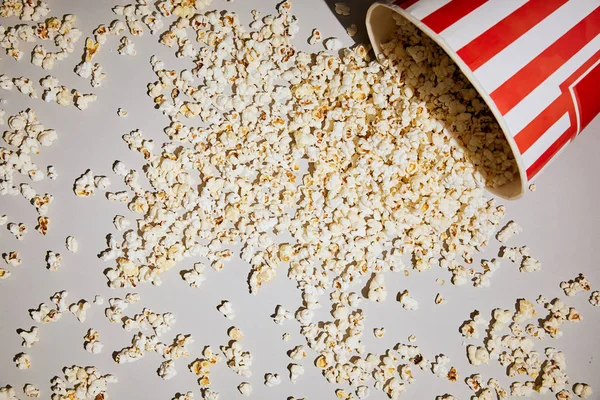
column 536, row 63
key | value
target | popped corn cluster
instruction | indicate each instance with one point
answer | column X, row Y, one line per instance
column 371, row 166
column 515, row 350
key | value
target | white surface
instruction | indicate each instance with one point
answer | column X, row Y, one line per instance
column 560, row 222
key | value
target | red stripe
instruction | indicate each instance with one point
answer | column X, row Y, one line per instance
column 404, row 4
column 536, row 128
column 564, row 103
column 450, row 13
column 541, row 162
column 481, row 49
column 588, row 97
column 511, row 92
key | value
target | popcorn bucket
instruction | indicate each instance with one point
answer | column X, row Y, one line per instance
column 536, row 63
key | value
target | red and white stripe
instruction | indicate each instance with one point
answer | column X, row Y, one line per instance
column 538, row 60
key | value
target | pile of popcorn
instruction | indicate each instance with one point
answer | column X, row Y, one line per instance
column 371, row 167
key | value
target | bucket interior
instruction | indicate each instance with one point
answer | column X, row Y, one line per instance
column 381, row 27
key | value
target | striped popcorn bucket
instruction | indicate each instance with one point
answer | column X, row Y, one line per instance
column 536, row 63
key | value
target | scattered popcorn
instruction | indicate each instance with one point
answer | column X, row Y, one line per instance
column 98, row 300
column 235, row 334
column 379, row 332
column 60, row 300
column 186, row 396
column 22, row 361
column 281, row 314
column 530, row 264
column 18, row 230
column 532, row 187
column 87, row 383
column 30, row 337
column 439, row 299
column 72, row 244
column 44, row 314
column 582, row 390
column 91, row 343
column 8, row 392
column 167, row 369
column 296, row 371
column 333, row 44
column 595, row 298
column 286, row 337
column 245, row 388
column 31, row 391
column 195, row 276
column 342, row 9
column 127, row 47
column 121, row 113
column 272, row 380
column 377, row 289
column 477, row 355
column 12, row 258
column 80, row 309
column 84, row 185
column 297, row 353
column 510, row 229
column 412, row 338
column 226, row 309
column 315, row 37
column 408, row 302
column 574, row 286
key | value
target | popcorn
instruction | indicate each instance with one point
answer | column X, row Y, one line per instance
column 186, row 396
column 12, row 258
column 238, row 360
column 582, row 390
column 22, row 361
column 8, row 392
column 44, row 314
column 98, row 300
column 235, row 334
column 195, row 276
column 477, row 355
column 80, row 309
column 530, row 264
column 510, row 229
column 295, row 371
column 315, row 37
column 272, row 380
column 91, row 342
column 167, row 369
column 245, row 388
column 121, row 223
column 53, row 261
column 342, row 9
column 286, row 337
column 532, row 187
column 574, row 286
column 525, row 311
column 297, row 353
column 30, row 337
column 439, row 299
column 126, row 47
column 408, row 302
column 595, row 298
column 281, row 314
column 86, row 383
column 82, row 101
column 31, row 391
column 60, row 300
column 84, row 185
column 352, row 30
column 72, row 244
column 333, row 44
column 379, row 332
column 101, row 182
column 377, row 289
column 226, row 309
column 122, row 113
column 18, row 230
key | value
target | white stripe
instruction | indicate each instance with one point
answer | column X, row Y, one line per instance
column 423, row 8
column 546, row 140
column 478, row 21
column 519, row 53
column 542, row 96
column 564, row 146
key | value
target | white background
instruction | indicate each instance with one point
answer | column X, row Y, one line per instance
column 560, row 222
